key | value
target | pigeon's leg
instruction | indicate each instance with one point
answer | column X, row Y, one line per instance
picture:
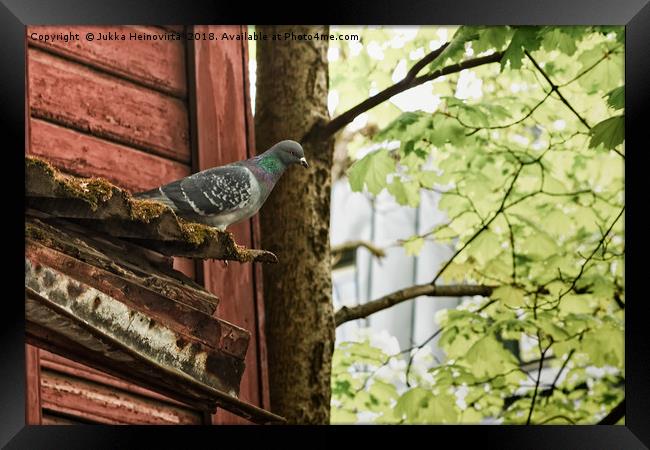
column 225, row 263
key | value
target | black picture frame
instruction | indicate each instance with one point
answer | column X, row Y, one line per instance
column 16, row 14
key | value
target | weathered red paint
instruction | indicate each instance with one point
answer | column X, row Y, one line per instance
column 76, row 96
column 33, row 386
column 57, row 363
column 158, row 64
column 105, row 404
column 84, row 155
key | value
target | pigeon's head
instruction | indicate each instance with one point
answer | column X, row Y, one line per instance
column 289, row 152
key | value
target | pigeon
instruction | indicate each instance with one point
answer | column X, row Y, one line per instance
column 228, row 194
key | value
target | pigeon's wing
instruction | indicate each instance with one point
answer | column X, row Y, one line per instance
column 206, row 193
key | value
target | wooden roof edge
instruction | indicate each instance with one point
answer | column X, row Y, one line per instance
column 208, row 397
column 104, row 206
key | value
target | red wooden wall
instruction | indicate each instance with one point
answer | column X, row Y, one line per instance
column 143, row 113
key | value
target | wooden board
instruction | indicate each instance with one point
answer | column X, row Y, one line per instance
column 93, row 102
column 58, row 363
column 157, row 64
column 62, row 392
column 214, row 337
column 141, row 266
column 33, row 386
column 88, row 156
column 221, row 137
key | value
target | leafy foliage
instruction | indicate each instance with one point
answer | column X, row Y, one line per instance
column 534, row 200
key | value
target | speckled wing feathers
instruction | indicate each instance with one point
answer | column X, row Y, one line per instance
column 207, row 193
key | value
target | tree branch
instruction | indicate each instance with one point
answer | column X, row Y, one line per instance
column 550, row 391
column 346, row 314
column 539, row 376
column 411, row 80
column 554, row 87
column 614, row 415
column 353, row 245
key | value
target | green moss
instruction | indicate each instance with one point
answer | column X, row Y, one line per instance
column 146, row 210
column 32, row 232
column 91, row 190
column 196, row 233
column 31, row 162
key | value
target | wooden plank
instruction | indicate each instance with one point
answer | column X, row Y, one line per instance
column 33, row 386
column 189, row 325
column 200, row 396
column 220, row 127
column 53, row 362
column 158, row 64
column 87, row 156
column 93, row 102
column 86, row 399
column 124, row 259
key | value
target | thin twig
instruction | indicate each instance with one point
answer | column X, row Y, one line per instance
column 554, row 87
column 539, row 376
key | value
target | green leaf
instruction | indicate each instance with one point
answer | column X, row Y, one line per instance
column 558, row 223
column 510, row 295
column 342, row 416
column 488, row 357
column 616, row 98
column 485, row 247
column 427, row 178
column 539, row 244
column 602, row 75
column 419, row 405
column 410, row 404
column 604, row 346
column 558, row 39
column 413, row 121
column 495, row 37
column 526, row 38
column 456, row 48
column 371, row 171
column 405, row 193
column 610, row 132
column 413, row 245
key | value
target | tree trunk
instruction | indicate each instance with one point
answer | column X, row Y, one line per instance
column 292, row 88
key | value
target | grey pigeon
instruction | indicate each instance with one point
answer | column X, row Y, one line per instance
column 224, row 195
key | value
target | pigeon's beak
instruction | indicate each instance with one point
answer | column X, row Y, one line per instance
column 303, row 162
